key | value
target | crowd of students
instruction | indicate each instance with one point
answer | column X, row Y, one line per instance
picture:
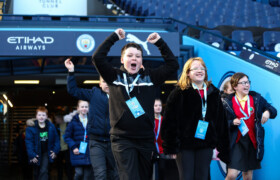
column 119, row 131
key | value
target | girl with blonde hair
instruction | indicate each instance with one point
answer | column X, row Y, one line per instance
column 194, row 122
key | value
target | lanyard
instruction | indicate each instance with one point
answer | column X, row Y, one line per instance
column 159, row 124
column 204, row 105
column 83, row 121
column 248, row 106
column 85, row 135
column 85, row 126
column 132, row 85
column 158, row 131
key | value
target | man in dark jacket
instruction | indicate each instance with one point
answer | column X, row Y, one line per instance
column 42, row 143
column 101, row 156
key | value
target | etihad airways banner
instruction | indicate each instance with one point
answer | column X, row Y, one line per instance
column 75, row 43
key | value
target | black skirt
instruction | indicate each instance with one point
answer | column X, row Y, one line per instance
column 243, row 155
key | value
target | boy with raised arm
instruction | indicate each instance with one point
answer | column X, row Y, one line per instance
column 132, row 94
column 102, row 160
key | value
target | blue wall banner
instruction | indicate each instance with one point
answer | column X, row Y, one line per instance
column 261, row 60
column 75, row 43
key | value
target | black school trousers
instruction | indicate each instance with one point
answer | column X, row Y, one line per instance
column 193, row 164
column 133, row 157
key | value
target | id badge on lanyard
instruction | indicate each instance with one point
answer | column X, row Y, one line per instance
column 243, row 128
column 201, row 129
column 135, row 107
column 83, row 147
column 133, row 104
column 83, row 144
column 202, row 125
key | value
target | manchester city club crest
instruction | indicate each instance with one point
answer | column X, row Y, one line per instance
column 85, row 43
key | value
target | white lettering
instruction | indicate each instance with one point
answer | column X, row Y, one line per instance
column 48, row 40
column 30, row 47
column 29, row 40
column 271, row 64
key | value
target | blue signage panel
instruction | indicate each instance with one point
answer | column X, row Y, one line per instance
column 261, row 60
column 75, row 43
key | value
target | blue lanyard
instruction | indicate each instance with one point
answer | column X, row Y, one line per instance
column 248, row 106
column 85, row 135
column 159, row 124
column 85, row 126
column 204, row 106
column 158, row 131
column 132, row 85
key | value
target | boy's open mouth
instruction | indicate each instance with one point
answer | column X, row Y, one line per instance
column 133, row 65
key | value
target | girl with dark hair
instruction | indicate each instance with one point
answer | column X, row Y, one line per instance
column 246, row 112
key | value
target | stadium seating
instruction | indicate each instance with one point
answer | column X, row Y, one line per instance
column 212, row 39
column 243, row 37
column 271, row 41
column 240, row 13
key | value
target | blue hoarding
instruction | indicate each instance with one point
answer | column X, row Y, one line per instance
column 74, row 43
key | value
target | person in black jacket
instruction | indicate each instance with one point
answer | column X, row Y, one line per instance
column 132, row 96
column 194, row 123
column 246, row 112
column 101, row 155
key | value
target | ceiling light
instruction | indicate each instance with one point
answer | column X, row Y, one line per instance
column 11, row 105
column 170, row 82
column 26, row 81
column 91, row 81
column 6, row 98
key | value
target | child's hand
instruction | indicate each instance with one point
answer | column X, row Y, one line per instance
column 52, row 155
column 236, row 122
column 173, row 156
column 76, row 151
column 265, row 116
column 121, row 33
column 153, row 38
column 34, row 160
column 69, row 65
